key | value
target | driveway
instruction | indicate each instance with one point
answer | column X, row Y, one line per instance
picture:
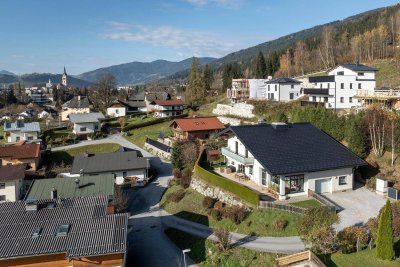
column 358, row 206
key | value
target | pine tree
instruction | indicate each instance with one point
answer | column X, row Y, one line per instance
column 384, row 242
column 207, row 78
column 261, row 67
column 177, row 159
column 195, row 91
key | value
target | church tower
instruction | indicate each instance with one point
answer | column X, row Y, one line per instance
column 64, row 78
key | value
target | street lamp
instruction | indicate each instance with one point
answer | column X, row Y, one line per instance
column 183, row 252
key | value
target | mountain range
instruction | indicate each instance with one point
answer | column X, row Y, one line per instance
column 39, row 79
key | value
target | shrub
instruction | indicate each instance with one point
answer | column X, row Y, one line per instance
column 236, row 213
column 280, row 224
column 223, row 239
column 186, row 177
column 176, row 173
column 384, row 242
column 395, row 206
column 208, row 202
column 220, row 206
column 176, row 196
column 373, row 228
column 371, row 183
column 348, row 237
column 216, row 214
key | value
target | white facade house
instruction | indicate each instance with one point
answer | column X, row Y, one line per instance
column 290, row 158
column 338, row 88
column 243, row 89
column 167, row 108
column 12, row 182
column 282, row 89
column 21, row 131
column 86, row 123
column 121, row 108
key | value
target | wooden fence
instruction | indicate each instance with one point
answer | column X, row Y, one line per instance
column 299, row 257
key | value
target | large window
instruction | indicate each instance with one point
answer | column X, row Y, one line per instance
column 2, row 198
column 250, row 170
column 342, row 86
column 291, row 96
column 294, row 183
column 263, row 176
column 342, row 180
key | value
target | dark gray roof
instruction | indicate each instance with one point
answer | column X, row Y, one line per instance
column 86, row 117
column 108, row 162
column 358, row 67
column 76, row 102
column 151, row 96
column 136, row 97
column 91, row 231
column 299, row 148
column 283, row 80
column 134, row 104
column 321, row 79
column 96, row 185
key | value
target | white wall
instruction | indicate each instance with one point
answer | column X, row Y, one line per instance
column 334, row 174
column 11, row 190
column 116, row 111
column 90, row 127
column 23, row 136
column 286, row 89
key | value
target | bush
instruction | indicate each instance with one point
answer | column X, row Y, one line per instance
column 176, row 196
column 186, row 177
column 208, row 202
column 236, row 214
column 177, row 173
column 348, row 237
column 371, row 183
column 223, row 239
column 216, row 214
column 280, row 224
column 220, row 206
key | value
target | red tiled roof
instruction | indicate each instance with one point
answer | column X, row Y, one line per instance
column 12, row 172
column 19, row 151
column 199, row 124
column 171, row 102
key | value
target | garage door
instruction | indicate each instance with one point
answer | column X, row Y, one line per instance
column 323, row 185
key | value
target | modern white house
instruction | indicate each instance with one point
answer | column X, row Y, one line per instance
column 12, row 182
column 21, row 131
column 282, row 89
column 121, row 108
column 86, row 123
column 167, row 108
column 338, row 89
column 122, row 164
column 290, row 158
column 243, row 89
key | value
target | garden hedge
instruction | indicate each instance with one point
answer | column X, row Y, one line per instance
column 239, row 190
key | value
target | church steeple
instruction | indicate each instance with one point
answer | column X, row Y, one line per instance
column 64, row 78
column 65, row 72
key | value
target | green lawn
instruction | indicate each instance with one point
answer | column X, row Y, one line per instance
column 204, row 253
column 59, row 133
column 67, row 156
column 258, row 222
column 364, row 258
column 308, row 204
column 138, row 136
column 138, row 120
column 2, row 140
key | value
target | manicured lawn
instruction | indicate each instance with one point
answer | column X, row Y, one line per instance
column 308, row 204
column 204, row 252
column 364, row 258
column 59, row 133
column 67, row 156
column 138, row 136
column 259, row 222
column 138, row 120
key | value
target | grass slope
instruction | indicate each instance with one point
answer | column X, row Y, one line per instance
column 259, row 222
column 204, row 253
column 138, row 136
column 309, row 203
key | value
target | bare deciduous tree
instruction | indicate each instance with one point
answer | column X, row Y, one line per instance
column 105, row 84
column 375, row 120
column 120, row 200
column 223, row 239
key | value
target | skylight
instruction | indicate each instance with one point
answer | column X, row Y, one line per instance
column 36, row 232
column 62, row 230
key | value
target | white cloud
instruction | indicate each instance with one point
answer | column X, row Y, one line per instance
column 184, row 41
column 221, row 3
column 119, row 25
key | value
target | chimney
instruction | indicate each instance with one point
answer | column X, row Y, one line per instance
column 77, row 183
column 53, row 193
column 31, row 206
column 280, row 126
column 81, row 172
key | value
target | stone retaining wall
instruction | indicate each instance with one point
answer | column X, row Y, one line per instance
column 215, row 192
column 242, row 110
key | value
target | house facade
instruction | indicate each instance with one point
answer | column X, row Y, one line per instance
column 167, row 108
column 78, row 104
column 282, row 89
column 21, row 131
column 290, row 158
column 86, row 123
column 190, row 129
column 338, row 89
column 28, row 154
column 121, row 108
column 11, row 182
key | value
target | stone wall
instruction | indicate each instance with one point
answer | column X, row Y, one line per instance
column 242, row 110
column 215, row 192
column 157, row 152
column 230, row 121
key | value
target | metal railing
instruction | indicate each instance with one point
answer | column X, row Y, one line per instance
column 284, row 207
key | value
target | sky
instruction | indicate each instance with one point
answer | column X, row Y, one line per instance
column 83, row 35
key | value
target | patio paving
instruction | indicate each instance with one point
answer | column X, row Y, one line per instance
column 358, row 206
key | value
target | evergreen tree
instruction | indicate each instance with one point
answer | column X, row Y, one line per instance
column 354, row 135
column 261, row 67
column 177, row 159
column 195, row 91
column 384, row 242
column 207, row 78
column 272, row 63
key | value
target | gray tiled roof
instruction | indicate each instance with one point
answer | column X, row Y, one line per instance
column 283, row 80
column 22, row 126
column 358, row 67
column 76, row 102
column 85, row 117
column 300, row 147
column 97, row 185
column 108, row 162
column 91, row 232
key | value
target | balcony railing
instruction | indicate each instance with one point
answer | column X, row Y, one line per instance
column 312, row 91
column 241, row 159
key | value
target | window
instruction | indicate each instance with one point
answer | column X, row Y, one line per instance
column 17, row 138
column 82, row 129
column 2, row 185
column 269, row 95
column 342, row 100
column 320, row 85
column 2, row 198
column 96, row 127
column 292, row 86
column 117, row 111
column 276, row 87
column 350, row 100
column 272, row 96
column 36, row 232
column 314, row 99
column 294, row 183
column 342, row 86
column 351, row 86
column 124, row 174
column 250, row 170
column 263, row 176
column 326, row 99
column 340, row 73
column 268, row 88
column 246, row 153
column 329, row 85
column 342, row 180
column 236, row 147
column 30, row 137
column 291, row 96
column 361, row 74
column 359, row 85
